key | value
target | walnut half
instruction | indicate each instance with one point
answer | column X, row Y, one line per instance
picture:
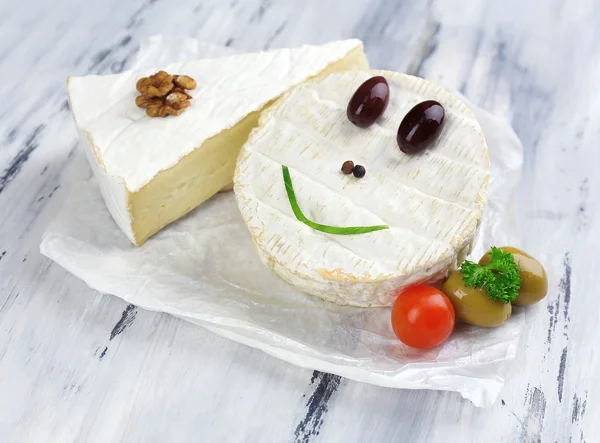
column 184, row 82
column 156, row 85
column 164, row 94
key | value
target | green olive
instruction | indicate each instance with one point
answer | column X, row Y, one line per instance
column 472, row 305
column 534, row 281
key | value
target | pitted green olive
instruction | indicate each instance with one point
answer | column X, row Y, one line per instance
column 472, row 305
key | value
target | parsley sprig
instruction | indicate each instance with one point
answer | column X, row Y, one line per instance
column 338, row 230
column 500, row 277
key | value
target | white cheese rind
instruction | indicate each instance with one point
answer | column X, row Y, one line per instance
column 135, row 147
column 112, row 188
column 432, row 202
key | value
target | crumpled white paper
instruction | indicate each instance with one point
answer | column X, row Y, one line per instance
column 204, row 269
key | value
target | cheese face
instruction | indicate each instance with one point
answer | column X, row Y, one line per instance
column 432, row 202
column 152, row 171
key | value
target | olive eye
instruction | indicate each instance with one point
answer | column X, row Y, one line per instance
column 368, row 102
column 421, row 125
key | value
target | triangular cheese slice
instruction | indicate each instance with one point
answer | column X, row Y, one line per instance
column 152, row 171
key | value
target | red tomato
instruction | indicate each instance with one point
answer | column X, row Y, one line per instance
column 422, row 317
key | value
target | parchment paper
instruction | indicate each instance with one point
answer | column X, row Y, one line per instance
column 204, row 269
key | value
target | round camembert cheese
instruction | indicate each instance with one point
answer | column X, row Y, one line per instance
column 432, row 202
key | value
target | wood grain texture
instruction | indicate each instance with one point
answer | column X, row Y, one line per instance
column 76, row 365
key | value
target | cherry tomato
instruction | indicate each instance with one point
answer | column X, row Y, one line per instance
column 422, row 317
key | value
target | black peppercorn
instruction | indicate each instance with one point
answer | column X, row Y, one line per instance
column 359, row 171
column 348, row 167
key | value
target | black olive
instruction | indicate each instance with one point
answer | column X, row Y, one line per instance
column 368, row 102
column 420, row 126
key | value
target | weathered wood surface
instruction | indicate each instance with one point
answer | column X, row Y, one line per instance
column 76, row 365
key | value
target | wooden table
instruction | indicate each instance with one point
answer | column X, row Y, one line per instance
column 77, row 365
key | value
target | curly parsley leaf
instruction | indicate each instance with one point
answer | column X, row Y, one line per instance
column 500, row 277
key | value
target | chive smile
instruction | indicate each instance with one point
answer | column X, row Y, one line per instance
column 337, row 230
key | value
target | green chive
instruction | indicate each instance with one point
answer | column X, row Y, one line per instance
column 337, row 230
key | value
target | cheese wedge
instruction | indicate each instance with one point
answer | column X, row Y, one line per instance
column 152, row 171
column 432, row 202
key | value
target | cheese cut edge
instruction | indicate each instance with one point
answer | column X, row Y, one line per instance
column 191, row 171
